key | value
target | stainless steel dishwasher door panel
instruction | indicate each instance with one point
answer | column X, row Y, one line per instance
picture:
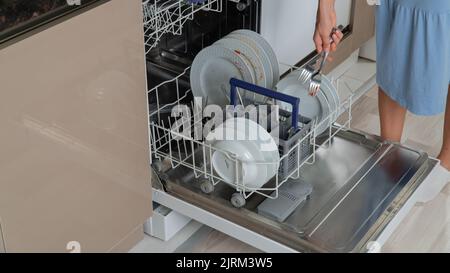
column 359, row 183
column 333, row 168
column 349, row 216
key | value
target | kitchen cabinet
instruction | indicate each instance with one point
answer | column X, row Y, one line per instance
column 74, row 147
column 20, row 17
column 362, row 29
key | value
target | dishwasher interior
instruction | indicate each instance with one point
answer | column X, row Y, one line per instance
column 357, row 181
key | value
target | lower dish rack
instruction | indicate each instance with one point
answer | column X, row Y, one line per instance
column 189, row 149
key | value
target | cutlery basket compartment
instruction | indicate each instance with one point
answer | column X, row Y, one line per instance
column 294, row 131
column 295, row 149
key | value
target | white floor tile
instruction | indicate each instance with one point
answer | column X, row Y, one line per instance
column 363, row 70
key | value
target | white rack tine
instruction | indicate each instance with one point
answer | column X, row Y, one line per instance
column 153, row 128
column 180, row 158
column 193, row 160
column 157, row 104
column 185, row 148
column 167, row 134
column 177, row 84
column 160, row 19
column 205, row 167
column 211, row 167
column 159, row 140
column 192, row 107
column 171, row 154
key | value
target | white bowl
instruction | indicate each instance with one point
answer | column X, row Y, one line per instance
column 265, row 143
column 245, row 155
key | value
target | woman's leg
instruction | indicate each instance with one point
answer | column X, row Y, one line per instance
column 392, row 118
column 444, row 156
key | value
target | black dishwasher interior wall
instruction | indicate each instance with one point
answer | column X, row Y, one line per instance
column 174, row 53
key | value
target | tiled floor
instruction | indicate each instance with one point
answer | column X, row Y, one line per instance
column 425, row 229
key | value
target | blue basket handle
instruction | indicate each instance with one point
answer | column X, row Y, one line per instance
column 295, row 102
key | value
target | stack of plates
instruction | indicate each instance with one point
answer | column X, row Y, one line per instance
column 321, row 108
column 244, row 55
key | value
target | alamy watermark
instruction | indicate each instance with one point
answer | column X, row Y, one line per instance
column 199, row 122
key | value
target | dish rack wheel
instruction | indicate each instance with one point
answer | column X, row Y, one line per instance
column 237, row 200
column 207, row 186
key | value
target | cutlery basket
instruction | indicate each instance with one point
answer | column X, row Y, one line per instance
column 295, row 149
column 294, row 141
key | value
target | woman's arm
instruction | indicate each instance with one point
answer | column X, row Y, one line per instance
column 325, row 24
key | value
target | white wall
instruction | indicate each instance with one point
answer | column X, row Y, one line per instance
column 289, row 25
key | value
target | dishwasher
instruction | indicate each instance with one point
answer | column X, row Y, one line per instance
column 357, row 188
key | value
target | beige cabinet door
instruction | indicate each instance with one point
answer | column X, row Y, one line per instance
column 2, row 240
column 74, row 151
column 362, row 29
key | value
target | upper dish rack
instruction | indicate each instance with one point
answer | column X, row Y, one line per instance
column 169, row 16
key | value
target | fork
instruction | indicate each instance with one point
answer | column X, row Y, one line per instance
column 309, row 72
column 310, row 69
column 316, row 78
column 306, row 73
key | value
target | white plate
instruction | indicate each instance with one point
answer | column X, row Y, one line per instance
column 241, row 48
column 329, row 91
column 326, row 121
column 252, row 60
column 315, row 108
column 333, row 95
column 328, row 105
column 211, row 72
column 262, row 55
column 310, row 107
column 266, row 48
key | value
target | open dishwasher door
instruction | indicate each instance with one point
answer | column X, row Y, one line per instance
column 362, row 189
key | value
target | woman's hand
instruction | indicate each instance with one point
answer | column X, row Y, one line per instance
column 324, row 38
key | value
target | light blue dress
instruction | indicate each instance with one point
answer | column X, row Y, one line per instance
column 413, row 53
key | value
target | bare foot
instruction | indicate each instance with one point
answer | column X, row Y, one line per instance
column 438, row 179
column 445, row 161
